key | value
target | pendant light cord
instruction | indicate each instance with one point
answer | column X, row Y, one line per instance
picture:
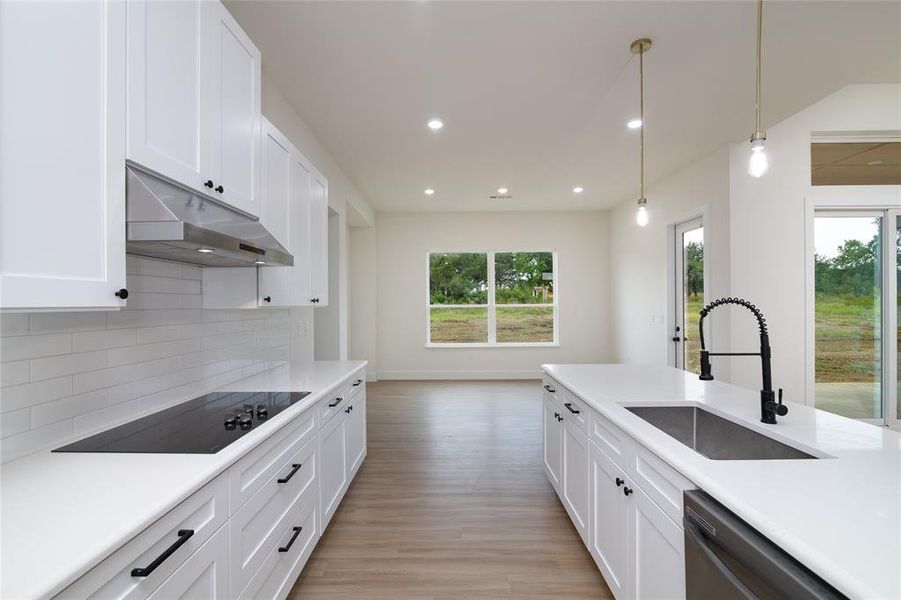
column 759, row 36
column 641, row 116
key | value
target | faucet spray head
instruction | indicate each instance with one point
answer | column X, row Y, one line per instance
column 706, row 375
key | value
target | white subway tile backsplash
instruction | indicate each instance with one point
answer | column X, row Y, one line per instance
column 14, row 373
column 13, row 324
column 14, row 422
column 64, row 374
column 66, row 322
column 34, row 346
column 56, row 366
column 29, row 394
column 67, row 408
column 104, row 378
column 101, row 340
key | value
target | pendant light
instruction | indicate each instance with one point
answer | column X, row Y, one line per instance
column 639, row 47
column 758, row 163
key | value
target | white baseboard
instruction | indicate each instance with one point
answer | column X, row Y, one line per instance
column 372, row 376
column 494, row 374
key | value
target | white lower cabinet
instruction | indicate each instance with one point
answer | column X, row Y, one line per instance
column 632, row 534
column 204, row 575
column 609, row 522
column 576, row 475
column 553, row 442
column 248, row 533
column 333, row 454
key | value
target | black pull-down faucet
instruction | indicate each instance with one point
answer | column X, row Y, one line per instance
column 769, row 408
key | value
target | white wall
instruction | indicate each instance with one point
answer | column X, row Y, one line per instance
column 363, row 292
column 640, row 275
column 768, row 225
column 67, row 374
column 403, row 241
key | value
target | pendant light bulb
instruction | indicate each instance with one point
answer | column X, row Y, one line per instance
column 641, row 217
column 758, row 164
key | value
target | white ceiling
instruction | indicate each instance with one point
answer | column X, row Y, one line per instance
column 535, row 95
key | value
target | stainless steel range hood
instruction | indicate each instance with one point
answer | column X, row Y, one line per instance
column 170, row 221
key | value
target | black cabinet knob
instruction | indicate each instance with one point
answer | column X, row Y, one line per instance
column 220, row 189
column 627, row 490
column 123, row 294
column 619, row 481
column 208, row 183
column 267, row 299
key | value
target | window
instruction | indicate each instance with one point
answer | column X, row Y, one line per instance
column 689, row 293
column 856, row 257
column 492, row 299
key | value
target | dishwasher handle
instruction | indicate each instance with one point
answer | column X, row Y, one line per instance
column 693, row 533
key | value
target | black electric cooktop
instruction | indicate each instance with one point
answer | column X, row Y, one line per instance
column 204, row 425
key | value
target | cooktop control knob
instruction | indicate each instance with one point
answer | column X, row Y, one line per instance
column 231, row 421
column 248, row 409
column 245, row 423
column 262, row 411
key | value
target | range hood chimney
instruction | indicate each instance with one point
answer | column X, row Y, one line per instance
column 170, row 221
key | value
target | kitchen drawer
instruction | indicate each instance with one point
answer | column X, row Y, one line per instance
column 551, row 387
column 256, row 526
column 663, row 484
column 575, row 410
column 279, row 570
column 271, row 457
column 334, row 402
column 203, row 513
column 616, row 444
column 203, row 575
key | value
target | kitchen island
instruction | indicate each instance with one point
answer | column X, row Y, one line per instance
column 838, row 514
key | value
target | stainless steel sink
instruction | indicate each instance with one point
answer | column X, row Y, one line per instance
column 714, row 437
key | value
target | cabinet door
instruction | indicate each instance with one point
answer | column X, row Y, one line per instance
column 62, row 93
column 609, row 534
column 203, row 576
column 576, row 476
column 232, row 101
column 319, row 240
column 165, row 81
column 333, row 458
column 553, row 448
column 290, row 286
column 356, row 434
column 657, row 549
column 275, row 184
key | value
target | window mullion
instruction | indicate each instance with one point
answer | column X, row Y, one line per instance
column 492, row 334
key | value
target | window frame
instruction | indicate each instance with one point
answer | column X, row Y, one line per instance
column 491, row 305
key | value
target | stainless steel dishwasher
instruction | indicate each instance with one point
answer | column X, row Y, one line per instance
column 726, row 558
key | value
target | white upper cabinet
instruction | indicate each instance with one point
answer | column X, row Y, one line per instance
column 318, row 249
column 62, row 154
column 194, row 98
column 233, row 110
column 276, row 183
column 165, row 89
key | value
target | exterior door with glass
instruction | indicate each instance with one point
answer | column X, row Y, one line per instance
column 688, row 293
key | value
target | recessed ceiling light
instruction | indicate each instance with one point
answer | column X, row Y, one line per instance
column 435, row 124
column 259, row 262
column 205, row 250
column 577, row 190
column 502, row 191
column 429, row 191
column 874, row 163
column 634, row 124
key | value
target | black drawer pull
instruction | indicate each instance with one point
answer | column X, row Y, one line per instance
column 549, row 388
column 358, row 382
column 570, row 408
column 294, row 469
column 183, row 536
column 290, row 543
column 335, row 403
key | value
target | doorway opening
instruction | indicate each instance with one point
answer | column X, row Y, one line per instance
column 327, row 319
column 688, row 292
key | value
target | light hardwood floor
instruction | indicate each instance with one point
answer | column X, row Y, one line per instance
column 451, row 502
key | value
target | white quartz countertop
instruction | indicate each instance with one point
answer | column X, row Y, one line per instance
column 840, row 516
column 62, row 513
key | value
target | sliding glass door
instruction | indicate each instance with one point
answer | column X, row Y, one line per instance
column 856, row 257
